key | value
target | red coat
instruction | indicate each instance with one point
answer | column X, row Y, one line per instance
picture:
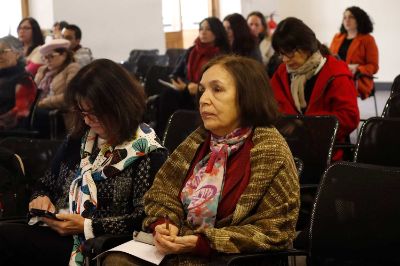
column 334, row 93
column 364, row 52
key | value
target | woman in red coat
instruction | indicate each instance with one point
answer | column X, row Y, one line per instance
column 356, row 46
column 310, row 81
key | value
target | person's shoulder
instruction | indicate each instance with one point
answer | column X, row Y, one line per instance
column 267, row 136
column 366, row 37
column 74, row 66
column 270, row 143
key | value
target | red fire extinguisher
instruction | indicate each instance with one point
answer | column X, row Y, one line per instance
column 271, row 23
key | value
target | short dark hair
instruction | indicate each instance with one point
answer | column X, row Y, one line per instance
column 293, row 34
column 61, row 24
column 117, row 99
column 221, row 39
column 76, row 30
column 256, row 101
column 262, row 19
column 37, row 36
column 244, row 42
column 364, row 23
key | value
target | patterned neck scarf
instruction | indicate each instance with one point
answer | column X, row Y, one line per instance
column 44, row 84
column 109, row 162
column 202, row 192
column 300, row 75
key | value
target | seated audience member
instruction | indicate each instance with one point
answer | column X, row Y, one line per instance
column 98, row 176
column 241, row 40
column 82, row 55
column 310, row 81
column 212, row 41
column 356, row 46
column 58, row 28
column 17, row 90
column 259, row 28
column 30, row 34
column 232, row 185
column 52, row 79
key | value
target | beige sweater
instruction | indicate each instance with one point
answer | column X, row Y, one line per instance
column 55, row 99
column 266, row 213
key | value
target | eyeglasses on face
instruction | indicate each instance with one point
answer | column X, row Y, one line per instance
column 89, row 114
column 50, row 56
column 24, row 28
column 3, row 51
column 288, row 55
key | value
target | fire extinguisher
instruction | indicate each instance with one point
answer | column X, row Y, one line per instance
column 271, row 23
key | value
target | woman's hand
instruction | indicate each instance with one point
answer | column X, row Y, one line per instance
column 353, row 68
column 42, row 203
column 162, row 229
column 193, row 88
column 72, row 224
column 179, row 84
column 175, row 244
column 40, row 103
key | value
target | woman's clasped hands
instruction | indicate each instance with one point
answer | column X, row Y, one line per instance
column 167, row 241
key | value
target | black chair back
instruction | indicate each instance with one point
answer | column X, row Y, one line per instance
column 379, row 142
column 180, row 125
column 355, row 216
column 311, row 139
column 392, row 107
column 134, row 55
column 174, row 54
column 145, row 62
column 395, row 86
column 151, row 85
column 36, row 156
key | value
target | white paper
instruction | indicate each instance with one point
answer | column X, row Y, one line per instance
column 140, row 250
column 166, row 83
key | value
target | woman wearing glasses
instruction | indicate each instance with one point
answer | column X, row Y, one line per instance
column 310, row 81
column 17, row 90
column 30, row 35
column 97, row 178
column 52, row 79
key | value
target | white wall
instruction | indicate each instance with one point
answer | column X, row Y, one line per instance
column 111, row 29
column 264, row 6
column 227, row 7
column 42, row 11
column 324, row 17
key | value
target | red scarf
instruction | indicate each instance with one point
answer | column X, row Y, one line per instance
column 199, row 56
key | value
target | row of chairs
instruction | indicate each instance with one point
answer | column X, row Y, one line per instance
column 140, row 61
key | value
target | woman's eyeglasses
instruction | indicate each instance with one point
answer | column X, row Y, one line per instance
column 50, row 56
column 4, row 51
column 89, row 114
column 24, row 28
column 288, row 55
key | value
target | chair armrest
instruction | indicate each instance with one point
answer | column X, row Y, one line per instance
column 244, row 259
column 19, row 133
column 94, row 246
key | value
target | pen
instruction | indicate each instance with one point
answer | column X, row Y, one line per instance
column 167, row 222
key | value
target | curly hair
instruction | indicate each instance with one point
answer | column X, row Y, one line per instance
column 364, row 23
